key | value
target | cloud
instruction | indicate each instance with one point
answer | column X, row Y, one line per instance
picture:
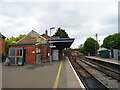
column 79, row 19
column 86, row 1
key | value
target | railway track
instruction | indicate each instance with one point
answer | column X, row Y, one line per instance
column 109, row 72
column 89, row 81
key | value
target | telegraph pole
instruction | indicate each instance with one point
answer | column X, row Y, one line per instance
column 96, row 44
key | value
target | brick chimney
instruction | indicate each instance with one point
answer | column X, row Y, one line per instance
column 46, row 32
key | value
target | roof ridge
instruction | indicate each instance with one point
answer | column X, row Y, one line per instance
column 38, row 34
column 29, row 33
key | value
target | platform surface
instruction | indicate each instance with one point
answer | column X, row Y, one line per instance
column 105, row 59
column 39, row 76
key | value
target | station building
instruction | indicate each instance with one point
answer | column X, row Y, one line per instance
column 34, row 48
column 2, row 45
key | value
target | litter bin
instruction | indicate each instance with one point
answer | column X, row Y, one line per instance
column 20, row 62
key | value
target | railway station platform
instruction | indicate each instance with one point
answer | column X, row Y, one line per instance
column 58, row 74
column 104, row 59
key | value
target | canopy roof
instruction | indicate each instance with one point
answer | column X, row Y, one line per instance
column 59, row 43
column 62, row 43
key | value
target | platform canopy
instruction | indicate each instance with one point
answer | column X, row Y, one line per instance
column 61, row 43
column 58, row 43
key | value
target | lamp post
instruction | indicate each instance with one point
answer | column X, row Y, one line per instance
column 96, row 53
column 50, row 44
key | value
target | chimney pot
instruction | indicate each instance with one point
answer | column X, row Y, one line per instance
column 46, row 32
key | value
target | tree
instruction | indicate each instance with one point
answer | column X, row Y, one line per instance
column 81, row 48
column 112, row 41
column 9, row 41
column 61, row 33
column 17, row 38
column 91, row 45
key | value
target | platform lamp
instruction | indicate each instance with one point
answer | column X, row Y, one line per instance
column 50, row 44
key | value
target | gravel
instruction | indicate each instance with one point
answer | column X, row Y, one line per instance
column 103, row 78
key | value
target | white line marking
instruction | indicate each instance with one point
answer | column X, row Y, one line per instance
column 81, row 84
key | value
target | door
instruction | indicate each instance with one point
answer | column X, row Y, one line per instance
column 15, row 54
column 115, row 54
column 55, row 54
column 38, row 58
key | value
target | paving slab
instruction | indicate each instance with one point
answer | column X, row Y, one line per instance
column 67, row 77
column 28, row 77
column 104, row 59
column 39, row 76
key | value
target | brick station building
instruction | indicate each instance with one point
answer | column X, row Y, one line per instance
column 34, row 48
column 2, row 45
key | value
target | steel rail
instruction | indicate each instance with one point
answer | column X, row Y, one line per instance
column 88, row 80
column 105, row 70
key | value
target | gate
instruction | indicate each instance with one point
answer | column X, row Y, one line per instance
column 15, row 54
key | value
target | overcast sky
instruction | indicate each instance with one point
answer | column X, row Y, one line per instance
column 80, row 18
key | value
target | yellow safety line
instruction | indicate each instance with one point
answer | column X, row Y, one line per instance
column 57, row 77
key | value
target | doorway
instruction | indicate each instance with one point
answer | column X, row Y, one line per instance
column 16, row 54
column 55, row 54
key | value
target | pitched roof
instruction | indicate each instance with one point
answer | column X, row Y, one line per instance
column 30, row 33
column 45, row 36
column 1, row 36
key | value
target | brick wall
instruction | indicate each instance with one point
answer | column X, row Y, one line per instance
column 30, row 56
column 2, row 46
column 43, row 51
